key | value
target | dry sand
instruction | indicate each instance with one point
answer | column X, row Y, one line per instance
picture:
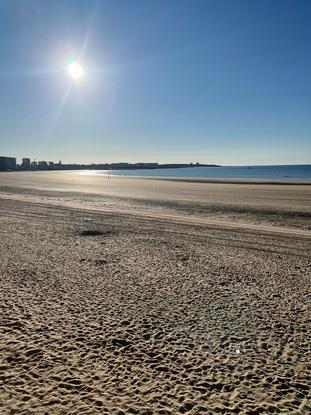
column 119, row 301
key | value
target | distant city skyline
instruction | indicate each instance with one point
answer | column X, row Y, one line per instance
column 26, row 164
column 211, row 81
column 61, row 161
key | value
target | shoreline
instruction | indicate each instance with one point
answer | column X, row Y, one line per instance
column 291, row 182
column 278, row 204
column 220, row 180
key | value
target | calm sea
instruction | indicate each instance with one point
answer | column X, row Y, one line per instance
column 301, row 172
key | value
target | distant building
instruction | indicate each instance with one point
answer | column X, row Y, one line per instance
column 7, row 163
column 25, row 163
column 42, row 164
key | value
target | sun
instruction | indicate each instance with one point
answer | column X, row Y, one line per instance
column 75, row 70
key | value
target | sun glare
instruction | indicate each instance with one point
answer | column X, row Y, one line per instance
column 75, row 70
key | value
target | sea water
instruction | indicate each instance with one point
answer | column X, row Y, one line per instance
column 285, row 172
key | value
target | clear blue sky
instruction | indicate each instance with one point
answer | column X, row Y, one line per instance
column 219, row 81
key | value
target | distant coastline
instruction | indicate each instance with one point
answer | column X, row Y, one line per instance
column 9, row 164
column 188, row 171
column 114, row 166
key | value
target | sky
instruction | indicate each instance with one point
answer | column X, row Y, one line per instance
column 209, row 81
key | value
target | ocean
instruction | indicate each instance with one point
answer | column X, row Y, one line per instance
column 287, row 172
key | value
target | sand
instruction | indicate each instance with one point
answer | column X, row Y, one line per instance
column 283, row 203
column 116, row 304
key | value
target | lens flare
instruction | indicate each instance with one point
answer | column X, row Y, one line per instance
column 75, row 70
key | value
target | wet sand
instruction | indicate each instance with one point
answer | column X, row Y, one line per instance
column 282, row 204
column 122, row 298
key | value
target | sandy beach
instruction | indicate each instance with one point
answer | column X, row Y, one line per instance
column 281, row 203
column 134, row 296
